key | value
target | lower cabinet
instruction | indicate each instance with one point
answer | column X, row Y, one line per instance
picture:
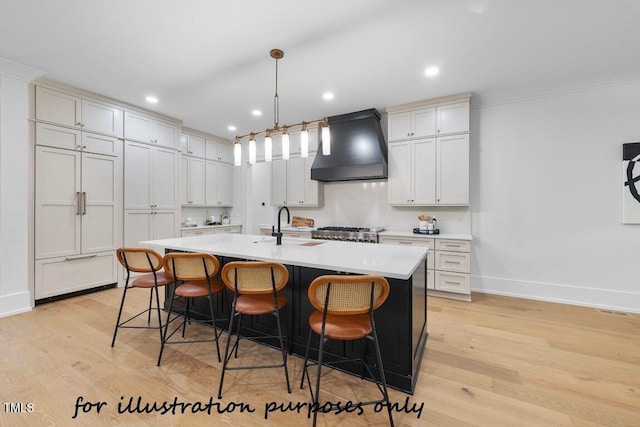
column 57, row 276
column 201, row 231
column 149, row 225
column 448, row 264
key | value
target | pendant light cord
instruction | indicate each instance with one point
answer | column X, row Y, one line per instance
column 276, row 112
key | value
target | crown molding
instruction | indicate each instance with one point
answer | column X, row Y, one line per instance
column 18, row 71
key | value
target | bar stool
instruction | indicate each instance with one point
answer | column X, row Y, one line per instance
column 344, row 311
column 256, row 287
column 193, row 276
column 141, row 260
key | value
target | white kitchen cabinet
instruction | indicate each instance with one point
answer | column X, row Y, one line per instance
column 151, row 177
column 219, row 150
column 452, row 170
column 192, row 181
column 412, row 124
column 192, row 145
column 76, row 202
column 67, row 109
column 142, row 128
column 412, row 172
column 196, row 232
column 453, row 118
column 218, row 184
column 233, row 229
column 147, row 224
column 291, row 183
column 77, row 220
column 73, row 139
column 448, row 264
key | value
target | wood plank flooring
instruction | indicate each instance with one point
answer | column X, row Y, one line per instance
column 494, row 362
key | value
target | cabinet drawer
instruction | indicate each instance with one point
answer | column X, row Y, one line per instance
column 453, row 245
column 232, row 229
column 452, row 282
column 297, row 234
column 431, row 284
column 453, row 261
column 429, row 243
column 199, row 232
column 57, row 276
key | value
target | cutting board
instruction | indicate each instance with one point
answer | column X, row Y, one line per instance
column 297, row 221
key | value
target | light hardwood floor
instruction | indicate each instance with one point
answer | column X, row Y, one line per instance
column 494, row 362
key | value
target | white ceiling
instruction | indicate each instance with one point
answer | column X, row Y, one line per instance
column 208, row 61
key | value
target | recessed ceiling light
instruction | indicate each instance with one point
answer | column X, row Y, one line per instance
column 231, row 127
column 152, row 99
column 328, row 96
column 256, row 113
column 431, row 71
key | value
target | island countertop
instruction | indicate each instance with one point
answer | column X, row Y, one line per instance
column 398, row 262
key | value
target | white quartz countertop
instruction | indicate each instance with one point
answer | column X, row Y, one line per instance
column 452, row 236
column 398, row 262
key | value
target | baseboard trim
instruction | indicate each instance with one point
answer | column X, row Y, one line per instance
column 15, row 303
column 560, row 293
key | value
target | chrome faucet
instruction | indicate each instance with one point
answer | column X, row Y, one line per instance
column 278, row 234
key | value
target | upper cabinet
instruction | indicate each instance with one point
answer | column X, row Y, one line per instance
column 78, row 112
column 441, row 116
column 192, row 145
column 142, row 128
column 220, row 151
column 291, row 183
column 429, row 152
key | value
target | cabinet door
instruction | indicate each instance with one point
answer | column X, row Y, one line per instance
column 196, row 146
column 453, row 118
column 224, row 178
column 57, row 136
column 210, row 149
column 164, row 224
column 57, row 203
column 185, row 197
column 399, row 173
column 58, row 107
column 312, row 188
column 196, row 181
column 453, row 170
column 278, row 182
column 100, row 144
column 100, row 190
column 138, row 127
column 137, row 227
column 423, row 122
column 138, row 175
column 102, row 118
column 225, row 152
column 399, row 126
column 424, row 171
column 164, row 184
column 165, row 134
column 211, row 183
column 295, row 181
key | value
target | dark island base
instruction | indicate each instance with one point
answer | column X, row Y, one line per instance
column 401, row 325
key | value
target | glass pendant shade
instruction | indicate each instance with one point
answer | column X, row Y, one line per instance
column 237, row 154
column 285, row 146
column 304, row 143
column 326, row 141
column 268, row 148
column 252, row 150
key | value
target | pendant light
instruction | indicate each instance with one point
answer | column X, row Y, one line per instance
column 278, row 54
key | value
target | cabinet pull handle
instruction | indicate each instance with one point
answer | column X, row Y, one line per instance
column 78, row 124
column 449, row 282
column 77, row 203
column 84, row 203
column 73, row 258
column 452, row 262
column 405, row 243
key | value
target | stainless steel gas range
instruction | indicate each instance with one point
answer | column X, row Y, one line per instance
column 348, row 234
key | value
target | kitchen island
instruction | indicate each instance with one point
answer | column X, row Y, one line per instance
column 401, row 321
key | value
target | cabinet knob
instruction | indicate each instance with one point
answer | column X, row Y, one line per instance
column 78, row 124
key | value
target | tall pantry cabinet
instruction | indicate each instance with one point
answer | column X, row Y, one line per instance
column 77, row 192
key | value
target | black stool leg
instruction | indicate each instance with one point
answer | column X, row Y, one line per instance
column 159, row 313
column 124, row 294
column 316, row 399
column 226, row 352
column 305, row 372
column 382, row 378
column 166, row 326
column 215, row 330
column 284, row 351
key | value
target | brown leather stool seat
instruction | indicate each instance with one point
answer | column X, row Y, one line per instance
column 344, row 311
column 141, row 260
column 256, row 288
column 194, row 276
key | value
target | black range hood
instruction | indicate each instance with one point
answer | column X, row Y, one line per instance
column 358, row 149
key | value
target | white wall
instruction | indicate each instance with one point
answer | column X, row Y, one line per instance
column 546, row 185
column 15, row 193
